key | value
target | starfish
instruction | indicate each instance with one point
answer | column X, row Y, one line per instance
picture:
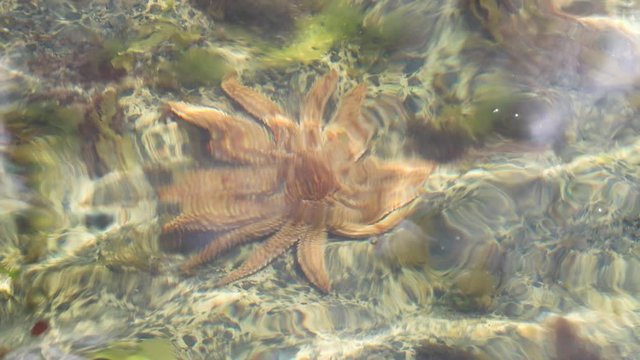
column 289, row 182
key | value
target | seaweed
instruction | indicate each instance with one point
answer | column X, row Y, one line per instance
column 39, row 118
column 195, row 67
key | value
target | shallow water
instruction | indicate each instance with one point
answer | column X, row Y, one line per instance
column 525, row 244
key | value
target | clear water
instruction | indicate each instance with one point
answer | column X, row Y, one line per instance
column 525, row 244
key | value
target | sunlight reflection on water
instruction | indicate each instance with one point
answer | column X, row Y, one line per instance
column 525, row 245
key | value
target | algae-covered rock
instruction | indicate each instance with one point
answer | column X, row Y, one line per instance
column 150, row 37
column 473, row 290
column 195, row 67
column 200, row 67
column 406, row 245
column 316, row 34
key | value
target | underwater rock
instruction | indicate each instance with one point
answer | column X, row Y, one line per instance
column 194, row 67
column 435, row 351
column 472, row 290
column 442, row 143
column 405, row 245
column 568, row 343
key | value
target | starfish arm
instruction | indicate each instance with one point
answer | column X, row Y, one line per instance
column 255, row 180
column 223, row 212
column 382, row 185
column 314, row 107
column 348, row 222
column 231, row 239
column 348, row 134
column 258, row 105
column 311, row 258
column 376, row 195
column 233, row 139
column 273, row 247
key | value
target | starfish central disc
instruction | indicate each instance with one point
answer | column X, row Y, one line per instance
column 310, row 178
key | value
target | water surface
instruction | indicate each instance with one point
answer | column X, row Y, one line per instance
column 526, row 245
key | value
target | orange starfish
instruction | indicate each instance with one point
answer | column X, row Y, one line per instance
column 291, row 182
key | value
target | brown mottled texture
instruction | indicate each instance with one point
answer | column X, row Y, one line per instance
column 569, row 345
column 429, row 351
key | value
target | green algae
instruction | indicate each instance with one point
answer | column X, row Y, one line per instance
column 182, row 64
column 149, row 38
column 317, row 34
column 495, row 109
column 320, row 26
column 489, row 108
column 41, row 118
column 199, row 67
column 195, row 67
column 151, row 349
column 10, row 272
column 168, row 5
